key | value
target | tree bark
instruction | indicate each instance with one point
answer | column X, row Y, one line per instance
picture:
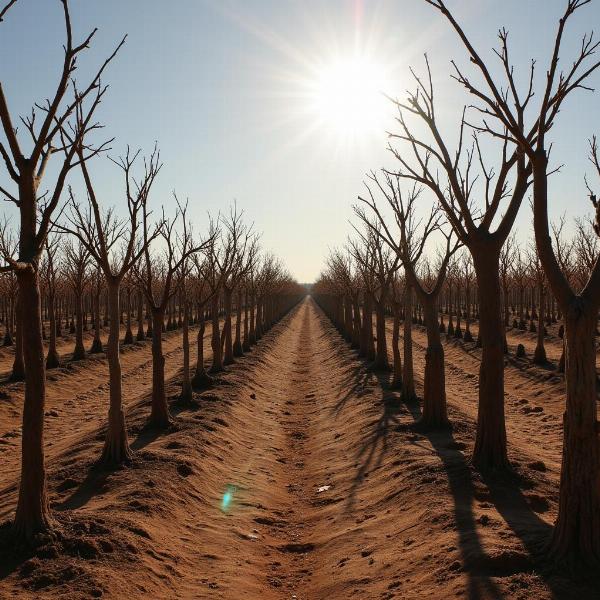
column 186, row 384
column 18, row 368
column 159, row 415
column 32, row 514
column 435, row 412
column 79, row 351
column 215, row 342
column 116, row 447
column 490, row 442
column 408, row 379
column 52, row 359
column 237, row 344
column 576, row 536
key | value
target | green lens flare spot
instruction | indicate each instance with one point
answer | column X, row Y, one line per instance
column 228, row 497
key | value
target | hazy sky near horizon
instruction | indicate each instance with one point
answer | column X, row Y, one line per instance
column 227, row 88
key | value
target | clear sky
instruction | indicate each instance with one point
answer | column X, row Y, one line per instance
column 236, row 93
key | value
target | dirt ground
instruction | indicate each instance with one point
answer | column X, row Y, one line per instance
column 297, row 476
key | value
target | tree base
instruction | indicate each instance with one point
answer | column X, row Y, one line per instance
column 128, row 339
column 52, row 360
column 202, row 381
column 97, row 347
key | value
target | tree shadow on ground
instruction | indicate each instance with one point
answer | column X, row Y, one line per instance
column 375, row 444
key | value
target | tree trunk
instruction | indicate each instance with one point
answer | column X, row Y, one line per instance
column 539, row 355
column 237, row 344
column 246, row 344
column 32, row 514
column 215, row 342
column 381, row 360
column 18, row 368
column 159, row 415
column 227, row 328
column 116, row 447
column 141, row 335
column 186, row 384
column 435, row 413
column 128, row 333
column 201, row 378
column 408, row 380
column 97, row 343
column 52, row 360
column 576, row 537
column 79, row 351
column 397, row 379
column 490, row 442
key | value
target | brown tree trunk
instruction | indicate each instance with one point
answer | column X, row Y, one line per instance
column 97, row 342
column 52, row 359
column 215, row 342
column 237, row 344
column 159, row 415
column 116, row 447
column 186, row 384
column 435, row 413
column 576, row 537
column 79, row 351
column 128, row 333
column 490, row 442
column 397, row 379
column 201, row 378
column 246, row 344
column 141, row 335
column 408, row 379
column 32, row 514
column 18, row 368
column 539, row 355
column 227, row 328
column 381, row 359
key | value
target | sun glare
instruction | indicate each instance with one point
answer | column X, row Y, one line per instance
column 348, row 96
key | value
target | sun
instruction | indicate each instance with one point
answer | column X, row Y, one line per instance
column 348, row 96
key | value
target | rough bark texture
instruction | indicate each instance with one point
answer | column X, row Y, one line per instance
column 238, row 350
column 408, row 379
column 490, row 441
column 397, row 378
column 159, row 415
column 186, row 384
column 79, row 351
column 52, row 359
column 116, row 447
column 201, row 378
column 227, row 329
column 576, row 536
column 215, row 341
column 18, row 368
column 32, row 514
column 435, row 413
column 381, row 359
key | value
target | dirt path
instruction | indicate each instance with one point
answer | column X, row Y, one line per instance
column 299, row 477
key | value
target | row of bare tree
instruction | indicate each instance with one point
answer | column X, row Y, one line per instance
column 158, row 259
column 444, row 195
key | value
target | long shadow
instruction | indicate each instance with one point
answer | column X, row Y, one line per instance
column 91, row 486
column 375, row 445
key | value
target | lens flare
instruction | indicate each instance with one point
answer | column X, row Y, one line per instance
column 228, row 498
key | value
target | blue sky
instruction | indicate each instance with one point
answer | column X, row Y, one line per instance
column 222, row 86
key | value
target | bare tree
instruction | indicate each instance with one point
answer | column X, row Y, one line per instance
column 577, row 532
column 77, row 261
column 409, row 245
column 27, row 172
column 115, row 247
column 161, row 278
